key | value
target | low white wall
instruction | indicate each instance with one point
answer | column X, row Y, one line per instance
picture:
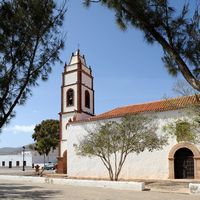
column 136, row 186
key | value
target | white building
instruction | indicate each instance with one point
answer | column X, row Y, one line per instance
column 176, row 160
column 16, row 160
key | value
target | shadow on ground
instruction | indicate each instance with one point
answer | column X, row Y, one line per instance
column 19, row 191
column 167, row 186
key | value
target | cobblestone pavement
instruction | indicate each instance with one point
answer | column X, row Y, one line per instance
column 20, row 190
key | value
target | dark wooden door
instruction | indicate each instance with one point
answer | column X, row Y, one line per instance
column 184, row 164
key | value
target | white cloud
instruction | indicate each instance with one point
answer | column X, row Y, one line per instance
column 19, row 129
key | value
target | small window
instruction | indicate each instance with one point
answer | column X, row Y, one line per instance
column 3, row 163
column 70, row 97
column 10, row 164
column 87, row 99
column 17, row 163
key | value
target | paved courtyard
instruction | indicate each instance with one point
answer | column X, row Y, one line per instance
column 20, row 190
column 155, row 190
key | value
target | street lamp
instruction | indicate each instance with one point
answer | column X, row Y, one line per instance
column 23, row 150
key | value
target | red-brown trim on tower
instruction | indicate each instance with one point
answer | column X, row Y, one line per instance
column 77, row 111
column 79, row 88
column 93, row 102
column 66, row 86
column 60, row 134
column 92, row 86
column 69, row 112
column 62, row 91
column 69, row 72
column 75, row 70
column 83, row 85
column 63, row 78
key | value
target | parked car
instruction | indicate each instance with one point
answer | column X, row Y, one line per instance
column 49, row 166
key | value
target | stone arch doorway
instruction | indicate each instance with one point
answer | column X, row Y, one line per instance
column 184, row 161
column 184, row 164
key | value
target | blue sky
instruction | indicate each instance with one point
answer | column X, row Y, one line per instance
column 126, row 70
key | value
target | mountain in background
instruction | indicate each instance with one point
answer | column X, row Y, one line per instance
column 13, row 150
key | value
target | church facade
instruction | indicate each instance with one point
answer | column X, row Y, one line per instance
column 175, row 160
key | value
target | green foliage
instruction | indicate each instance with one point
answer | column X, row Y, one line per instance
column 46, row 136
column 30, row 43
column 116, row 140
column 177, row 30
column 183, row 130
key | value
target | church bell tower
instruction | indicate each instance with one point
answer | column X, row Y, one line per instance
column 77, row 89
column 77, row 101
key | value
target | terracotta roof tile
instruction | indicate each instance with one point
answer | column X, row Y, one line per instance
column 156, row 106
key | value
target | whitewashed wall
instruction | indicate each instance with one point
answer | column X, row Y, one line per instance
column 15, row 158
column 153, row 165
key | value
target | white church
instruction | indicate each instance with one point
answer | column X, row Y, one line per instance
column 175, row 161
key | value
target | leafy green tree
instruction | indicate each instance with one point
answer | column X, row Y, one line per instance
column 46, row 136
column 113, row 141
column 30, row 43
column 177, row 30
column 186, row 130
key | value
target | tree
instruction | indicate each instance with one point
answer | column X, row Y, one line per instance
column 113, row 141
column 182, row 88
column 181, row 129
column 186, row 130
column 46, row 135
column 177, row 30
column 30, row 43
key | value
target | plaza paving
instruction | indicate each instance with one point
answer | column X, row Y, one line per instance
column 20, row 190
column 155, row 190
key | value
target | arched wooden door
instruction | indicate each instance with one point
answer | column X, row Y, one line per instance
column 184, row 164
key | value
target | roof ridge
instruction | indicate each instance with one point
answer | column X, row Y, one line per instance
column 156, row 101
column 158, row 106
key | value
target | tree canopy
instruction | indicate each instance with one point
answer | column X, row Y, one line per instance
column 30, row 43
column 46, row 136
column 113, row 141
column 176, row 29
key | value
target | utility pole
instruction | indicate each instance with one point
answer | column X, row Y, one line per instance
column 23, row 150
